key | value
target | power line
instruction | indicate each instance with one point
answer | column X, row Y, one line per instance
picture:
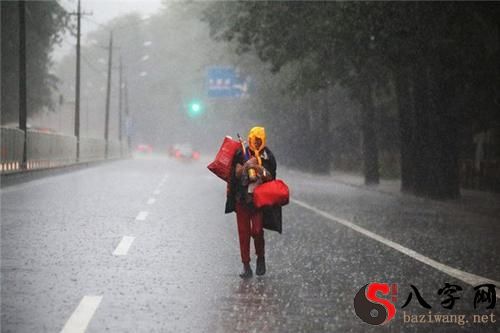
column 89, row 59
column 90, row 65
column 118, row 27
column 95, row 22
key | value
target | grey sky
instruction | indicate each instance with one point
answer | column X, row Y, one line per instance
column 102, row 12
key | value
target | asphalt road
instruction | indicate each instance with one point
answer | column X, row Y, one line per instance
column 144, row 246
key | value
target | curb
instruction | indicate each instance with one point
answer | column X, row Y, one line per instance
column 23, row 176
column 449, row 205
column 445, row 204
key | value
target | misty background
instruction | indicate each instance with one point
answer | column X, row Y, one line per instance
column 165, row 56
column 390, row 90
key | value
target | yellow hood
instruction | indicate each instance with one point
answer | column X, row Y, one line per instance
column 257, row 132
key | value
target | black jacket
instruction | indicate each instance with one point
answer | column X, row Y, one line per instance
column 235, row 190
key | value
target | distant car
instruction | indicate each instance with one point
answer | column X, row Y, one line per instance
column 144, row 148
column 184, row 152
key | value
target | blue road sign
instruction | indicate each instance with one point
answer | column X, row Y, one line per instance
column 224, row 82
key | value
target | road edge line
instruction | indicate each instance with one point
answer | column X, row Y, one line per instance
column 469, row 278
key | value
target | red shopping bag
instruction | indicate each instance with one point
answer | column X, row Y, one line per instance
column 222, row 164
column 272, row 193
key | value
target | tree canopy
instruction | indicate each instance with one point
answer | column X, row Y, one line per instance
column 438, row 57
column 46, row 22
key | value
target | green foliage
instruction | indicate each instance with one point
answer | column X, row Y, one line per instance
column 46, row 22
column 442, row 59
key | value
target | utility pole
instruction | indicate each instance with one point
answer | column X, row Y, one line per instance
column 108, row 93
column 77, row 84
column 77, row 78
column 120, row 122
column 23, row 112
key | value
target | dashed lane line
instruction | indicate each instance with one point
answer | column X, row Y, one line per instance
column 81, row 317
column 151, row 201
column 156, row 192
column 142, row 216
column 123, row 246
column 469, row 278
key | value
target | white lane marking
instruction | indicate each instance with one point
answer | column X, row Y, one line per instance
column 123, row 246
column 466, row 277
column 151, row 201
column 80, row 319
column 142, row 216
column 156, row 192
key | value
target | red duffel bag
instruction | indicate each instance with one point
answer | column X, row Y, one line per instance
column 272, row 193
column 222, row 164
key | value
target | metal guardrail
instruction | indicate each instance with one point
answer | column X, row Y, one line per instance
column 11, row 149
column 47, row 150
column 92, row 149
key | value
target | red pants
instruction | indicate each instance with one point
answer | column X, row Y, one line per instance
column 249, row 225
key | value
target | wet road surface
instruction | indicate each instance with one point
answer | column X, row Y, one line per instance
column 144, row 246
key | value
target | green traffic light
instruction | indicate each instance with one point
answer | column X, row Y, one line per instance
column 195, row 109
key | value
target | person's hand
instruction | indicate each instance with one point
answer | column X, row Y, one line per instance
column 251, row 163
column 265, row 175
column 239, row 170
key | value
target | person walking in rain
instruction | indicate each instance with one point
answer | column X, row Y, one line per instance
column 252, row 165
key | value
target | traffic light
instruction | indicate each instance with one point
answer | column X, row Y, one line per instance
column 194, row 109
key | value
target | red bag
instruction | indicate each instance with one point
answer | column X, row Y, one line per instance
column 272, row 193
column 222, row 164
